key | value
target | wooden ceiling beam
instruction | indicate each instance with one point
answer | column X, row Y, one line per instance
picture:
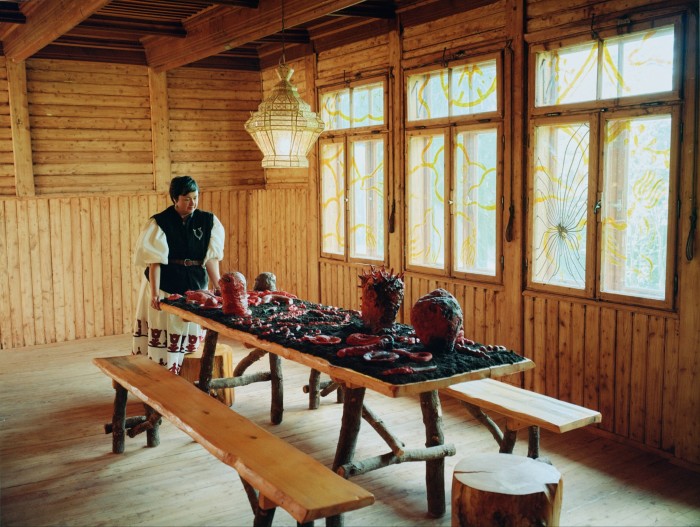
column 225, row 28
column 46, row 21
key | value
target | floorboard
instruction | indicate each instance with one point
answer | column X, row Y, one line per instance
column 56, row 465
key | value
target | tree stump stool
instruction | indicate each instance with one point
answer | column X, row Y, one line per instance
column 223, row 367
column 506, row 491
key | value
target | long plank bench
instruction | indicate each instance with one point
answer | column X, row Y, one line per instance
column 521, row 408
column 274, row 473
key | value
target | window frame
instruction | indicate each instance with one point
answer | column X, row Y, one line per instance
column 449, row 127
column 598, row 113
column 347, row 136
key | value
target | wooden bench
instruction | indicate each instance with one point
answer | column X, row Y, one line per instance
column 521, row 408
column 273, row 472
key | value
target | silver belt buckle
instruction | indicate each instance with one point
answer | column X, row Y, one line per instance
column 188, row 262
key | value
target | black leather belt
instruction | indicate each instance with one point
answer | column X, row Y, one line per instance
column 186, row 262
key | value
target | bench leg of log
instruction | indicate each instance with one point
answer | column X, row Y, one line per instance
column 207, row 363
column 277, row 402
column 119, row 418
column 263, row 515
column 131, row 422
column 508, row 443
column 533, row 444
column 314, row 389
column 153, row 433
column 435, row 468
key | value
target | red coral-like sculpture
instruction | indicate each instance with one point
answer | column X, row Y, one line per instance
column 234, row 294
column 382, row 295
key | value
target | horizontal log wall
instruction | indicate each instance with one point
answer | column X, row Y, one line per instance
column 7, row 167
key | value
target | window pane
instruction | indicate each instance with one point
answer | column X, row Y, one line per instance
column 368, row 105
column 566, row 75
column 426, row 201
column 635, row 206
column 473, row 89
column 366, row 189
column 560, row 199
column 333, row 198
column 428, row 95
column 639, row 63
column 475, row 208
column 335, row 109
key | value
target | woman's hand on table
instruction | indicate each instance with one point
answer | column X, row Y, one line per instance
column 155, row 302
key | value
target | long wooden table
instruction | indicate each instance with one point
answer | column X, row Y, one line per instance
column 354, row 385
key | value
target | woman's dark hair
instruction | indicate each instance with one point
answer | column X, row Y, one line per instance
column 181, row 186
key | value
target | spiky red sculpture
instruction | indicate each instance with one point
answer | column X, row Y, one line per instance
column 437, row 319
column 382, row 295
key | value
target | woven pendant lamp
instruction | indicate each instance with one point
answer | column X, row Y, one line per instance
column 284, row 127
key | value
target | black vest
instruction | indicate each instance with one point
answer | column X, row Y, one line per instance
column 188, row 240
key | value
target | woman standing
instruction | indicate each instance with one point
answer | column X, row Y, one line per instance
column 180, row 249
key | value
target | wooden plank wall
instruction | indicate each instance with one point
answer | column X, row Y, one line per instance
column 65, row 254
column 7, row 168
column 90, row 127
column 207, row 110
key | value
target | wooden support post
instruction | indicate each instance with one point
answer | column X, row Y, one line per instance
column 508, row 443
column 349, row 430
column 314, row 389
column 357, row 468
column 277, row 394
column 505, row 490
column 119, row 418
column 396, row 445
column 435, row 468
column 207, row 364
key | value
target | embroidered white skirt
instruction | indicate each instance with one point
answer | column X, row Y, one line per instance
column 165, row 338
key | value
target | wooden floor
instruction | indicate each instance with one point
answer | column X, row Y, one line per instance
column 56, row 465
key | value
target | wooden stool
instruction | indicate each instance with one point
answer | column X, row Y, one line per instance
column 505, row 490
column 223, row 367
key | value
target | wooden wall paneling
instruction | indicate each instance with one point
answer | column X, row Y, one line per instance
column 654, row 382
column 623, row 359
column 89, row 302
column 103, row 206
column 551, row 350
column 606, row 381
column 6, row 340
column 21, row 136
column 65, row 230
column 90, row 127
column 688, row 403
column 125, row 262
column 564, row 351
column 491, row 315
column 578, row 338
column 367, row 55
column 528, row 340
column 57, row 269
column 448, row 34
column 32, row 264
column 638, row 376
column 76, row 270
column 97, row 249
column 23, row 273
column 480, row 321
column 15, row 292
column 160, row 129
column 592, row 353
column 538, row 355
column 115, row 275
column 7, row 166
column 207, row 111
column 675, row 421
column 45, row 266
